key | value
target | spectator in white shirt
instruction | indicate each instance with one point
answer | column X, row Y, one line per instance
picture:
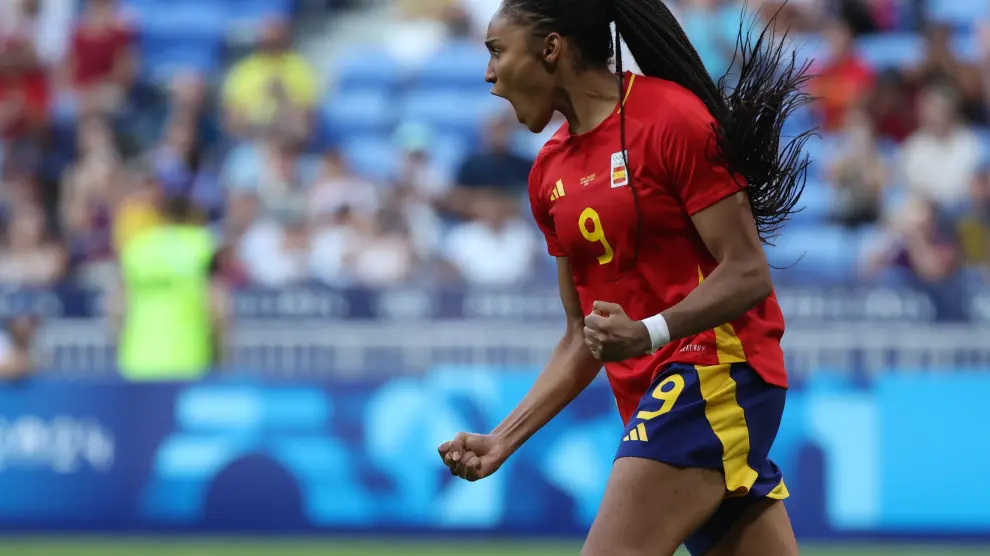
column 275, row 250
column 373, row 251
column 941, row 158
column 337, row 187
column 497, row 249
column 49, row 29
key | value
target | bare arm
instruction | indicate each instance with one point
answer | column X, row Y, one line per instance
column 117, row 305
column 570, row 370
column 931, row 261
column 125, row 64
column 739, row 282
column 72, row 201
column 219, row 314
column 16, row 364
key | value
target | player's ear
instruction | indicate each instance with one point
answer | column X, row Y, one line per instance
column 553, row 50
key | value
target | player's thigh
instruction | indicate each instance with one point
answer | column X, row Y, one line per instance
column 764, row 529
column 744, row 412
column 650, row 507
column 667, row 478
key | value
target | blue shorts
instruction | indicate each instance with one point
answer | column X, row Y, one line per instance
column 713, row 417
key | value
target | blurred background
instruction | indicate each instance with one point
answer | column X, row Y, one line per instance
column 259, row 257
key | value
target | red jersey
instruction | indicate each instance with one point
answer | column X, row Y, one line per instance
column 579, row 191
column 839, row 86
column 26, row 88
column 95, row 51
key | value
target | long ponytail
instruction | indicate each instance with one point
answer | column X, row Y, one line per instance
column 749, row 115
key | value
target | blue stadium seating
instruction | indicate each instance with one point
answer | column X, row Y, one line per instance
column 959, row 13
column 139, row 7
column 458, row 66
column 372, row 157
column 809, row 47
column 360, row 112
column 184, row 19
column 258, row 9
column 818, row 254
column 231, row 9
column 814, row 206
column 451, row 111
column 191, row 33
column 183, row 34
column 818, row 148
column 161, row 61
column 367, row 68
column 984, row 134
column 891, row 50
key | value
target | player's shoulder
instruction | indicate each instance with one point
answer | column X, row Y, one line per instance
column 662, row 103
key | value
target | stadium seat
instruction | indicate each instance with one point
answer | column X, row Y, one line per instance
column 815, row 205
column 184, row 20
column 163, row 57
column 809, row 47
column 374, row 158
column 866, row 239
column 457, row 66
column 817, row 255
column 137, row 8
column 245, row 18
column 360, row 112
column 258, row 9
column 367, row 68
column 820, row 149
column 163, row 65
column 450, row 111
column 891, row 50
column 984, row 134
column 802, row 120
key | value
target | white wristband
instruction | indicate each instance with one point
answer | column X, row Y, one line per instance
column 659, row 333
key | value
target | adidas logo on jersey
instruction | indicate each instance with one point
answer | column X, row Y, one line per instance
column 638, row 434
column 558, row 190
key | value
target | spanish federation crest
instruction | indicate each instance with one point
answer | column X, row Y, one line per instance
column 620, row 174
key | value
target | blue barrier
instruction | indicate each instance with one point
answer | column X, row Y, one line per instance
column 965, row 302
column 903, row 455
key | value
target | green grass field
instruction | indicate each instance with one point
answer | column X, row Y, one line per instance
column 146, row 547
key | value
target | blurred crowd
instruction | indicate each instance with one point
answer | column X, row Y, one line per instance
column 93, row 139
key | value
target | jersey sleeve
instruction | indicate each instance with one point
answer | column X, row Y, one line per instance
column 685, row 144
column 541, row 211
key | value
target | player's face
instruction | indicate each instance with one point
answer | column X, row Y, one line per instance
column 520, row 70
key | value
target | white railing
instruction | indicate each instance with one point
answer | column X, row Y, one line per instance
column 357, row 349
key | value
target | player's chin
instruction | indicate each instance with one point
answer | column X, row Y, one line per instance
column 536, row 123
column 533, row 122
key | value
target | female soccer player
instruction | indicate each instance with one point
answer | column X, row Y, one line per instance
column 655, row 197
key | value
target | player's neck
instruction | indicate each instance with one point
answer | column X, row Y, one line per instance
column 590, row 100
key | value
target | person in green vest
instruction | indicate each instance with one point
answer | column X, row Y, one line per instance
column 170, row 306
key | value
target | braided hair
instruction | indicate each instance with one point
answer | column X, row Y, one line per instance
column 749, row 115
